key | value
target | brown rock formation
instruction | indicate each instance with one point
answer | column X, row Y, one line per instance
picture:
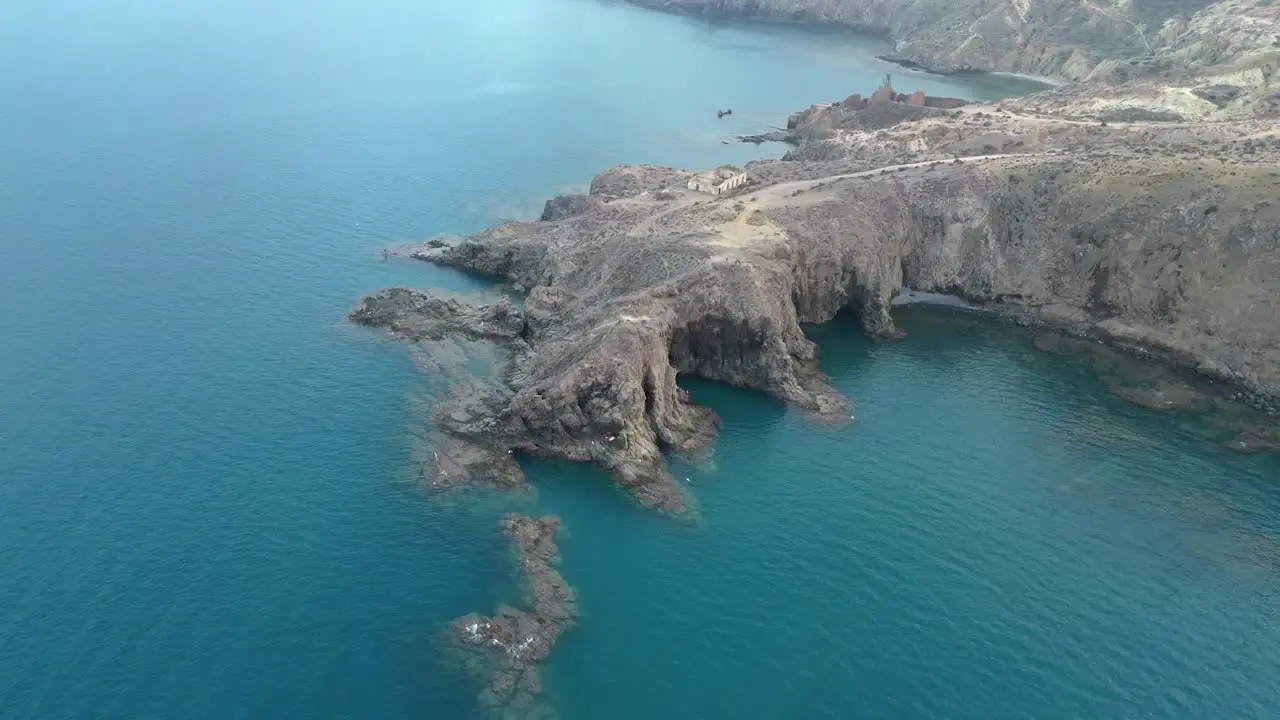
column 416, row 315
column 1056, row 37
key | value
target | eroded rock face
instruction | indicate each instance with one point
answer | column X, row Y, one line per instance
column 1220, row 94
column 1159, row 399
column 515, row 641
column 1056, row 37
column 564, row 206
column 635, row 291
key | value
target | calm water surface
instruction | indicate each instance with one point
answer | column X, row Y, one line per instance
column 205, row 503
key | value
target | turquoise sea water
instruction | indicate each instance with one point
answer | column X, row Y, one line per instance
column 206, row 504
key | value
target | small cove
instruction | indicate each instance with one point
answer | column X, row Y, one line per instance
column 209, row 508
column 995, row 537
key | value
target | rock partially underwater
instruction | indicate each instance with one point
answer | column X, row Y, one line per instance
column 512, row 642
column 1258, row 441
column 611, row 400
column 418, row 315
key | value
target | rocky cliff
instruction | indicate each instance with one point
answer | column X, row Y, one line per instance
column 1107, row 209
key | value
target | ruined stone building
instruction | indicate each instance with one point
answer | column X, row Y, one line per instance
column 718, row 181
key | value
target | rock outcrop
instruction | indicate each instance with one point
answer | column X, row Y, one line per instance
column 417, row 315
column 1160, row 398
column 605, row 395
column 513, row 642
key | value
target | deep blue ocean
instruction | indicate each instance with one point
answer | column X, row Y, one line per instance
column 207, row 500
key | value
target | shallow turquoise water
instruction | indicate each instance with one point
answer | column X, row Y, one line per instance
column 205, row 500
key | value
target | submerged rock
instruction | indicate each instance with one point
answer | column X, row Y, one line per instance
column 1048, row 343
column 1255, row 442
column 514, row 641
column 457, row 462
column 1160, row 399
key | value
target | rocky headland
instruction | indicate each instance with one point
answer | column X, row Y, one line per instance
column 1136, row 211
column 1160, row 238
column 1137, row 207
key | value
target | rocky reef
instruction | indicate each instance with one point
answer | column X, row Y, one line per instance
column 511, row 643
column 416, row 315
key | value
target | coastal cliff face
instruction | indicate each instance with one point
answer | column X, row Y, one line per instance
column 1069, row 39
column 1176, row 251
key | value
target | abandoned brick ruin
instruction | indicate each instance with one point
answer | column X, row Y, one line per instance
column 718, row 181
column 883, row 95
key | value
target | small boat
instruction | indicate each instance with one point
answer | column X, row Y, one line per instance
column 722, row 113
